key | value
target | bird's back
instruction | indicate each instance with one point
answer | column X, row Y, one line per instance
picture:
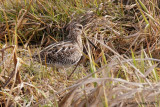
column 63, row 54
column 59, row 55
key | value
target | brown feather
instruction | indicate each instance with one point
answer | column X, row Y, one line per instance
column 63, row 54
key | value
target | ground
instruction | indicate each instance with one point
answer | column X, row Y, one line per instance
column 120, row 64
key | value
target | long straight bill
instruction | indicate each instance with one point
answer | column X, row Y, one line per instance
column 90, row 41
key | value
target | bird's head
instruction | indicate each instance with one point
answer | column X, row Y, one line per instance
column 78, row 28
column 75, row 30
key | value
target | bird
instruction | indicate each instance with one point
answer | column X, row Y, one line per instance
column 63, row 54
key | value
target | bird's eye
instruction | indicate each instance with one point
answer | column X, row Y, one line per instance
column 80, row 27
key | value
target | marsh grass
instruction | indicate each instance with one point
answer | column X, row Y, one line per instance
column 123, row 69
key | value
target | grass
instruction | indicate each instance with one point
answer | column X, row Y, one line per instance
column 123, row 69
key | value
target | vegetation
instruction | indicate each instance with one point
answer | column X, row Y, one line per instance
column 122, row 69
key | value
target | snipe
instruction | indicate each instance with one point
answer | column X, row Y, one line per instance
column 63, row 54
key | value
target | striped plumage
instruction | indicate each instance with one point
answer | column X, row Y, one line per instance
column 63, row 54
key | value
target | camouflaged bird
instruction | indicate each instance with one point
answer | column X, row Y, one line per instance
column 63, row 54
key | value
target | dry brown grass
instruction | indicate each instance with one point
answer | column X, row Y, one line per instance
column 123, row 69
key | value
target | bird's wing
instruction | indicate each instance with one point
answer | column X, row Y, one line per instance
column 59, row 53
